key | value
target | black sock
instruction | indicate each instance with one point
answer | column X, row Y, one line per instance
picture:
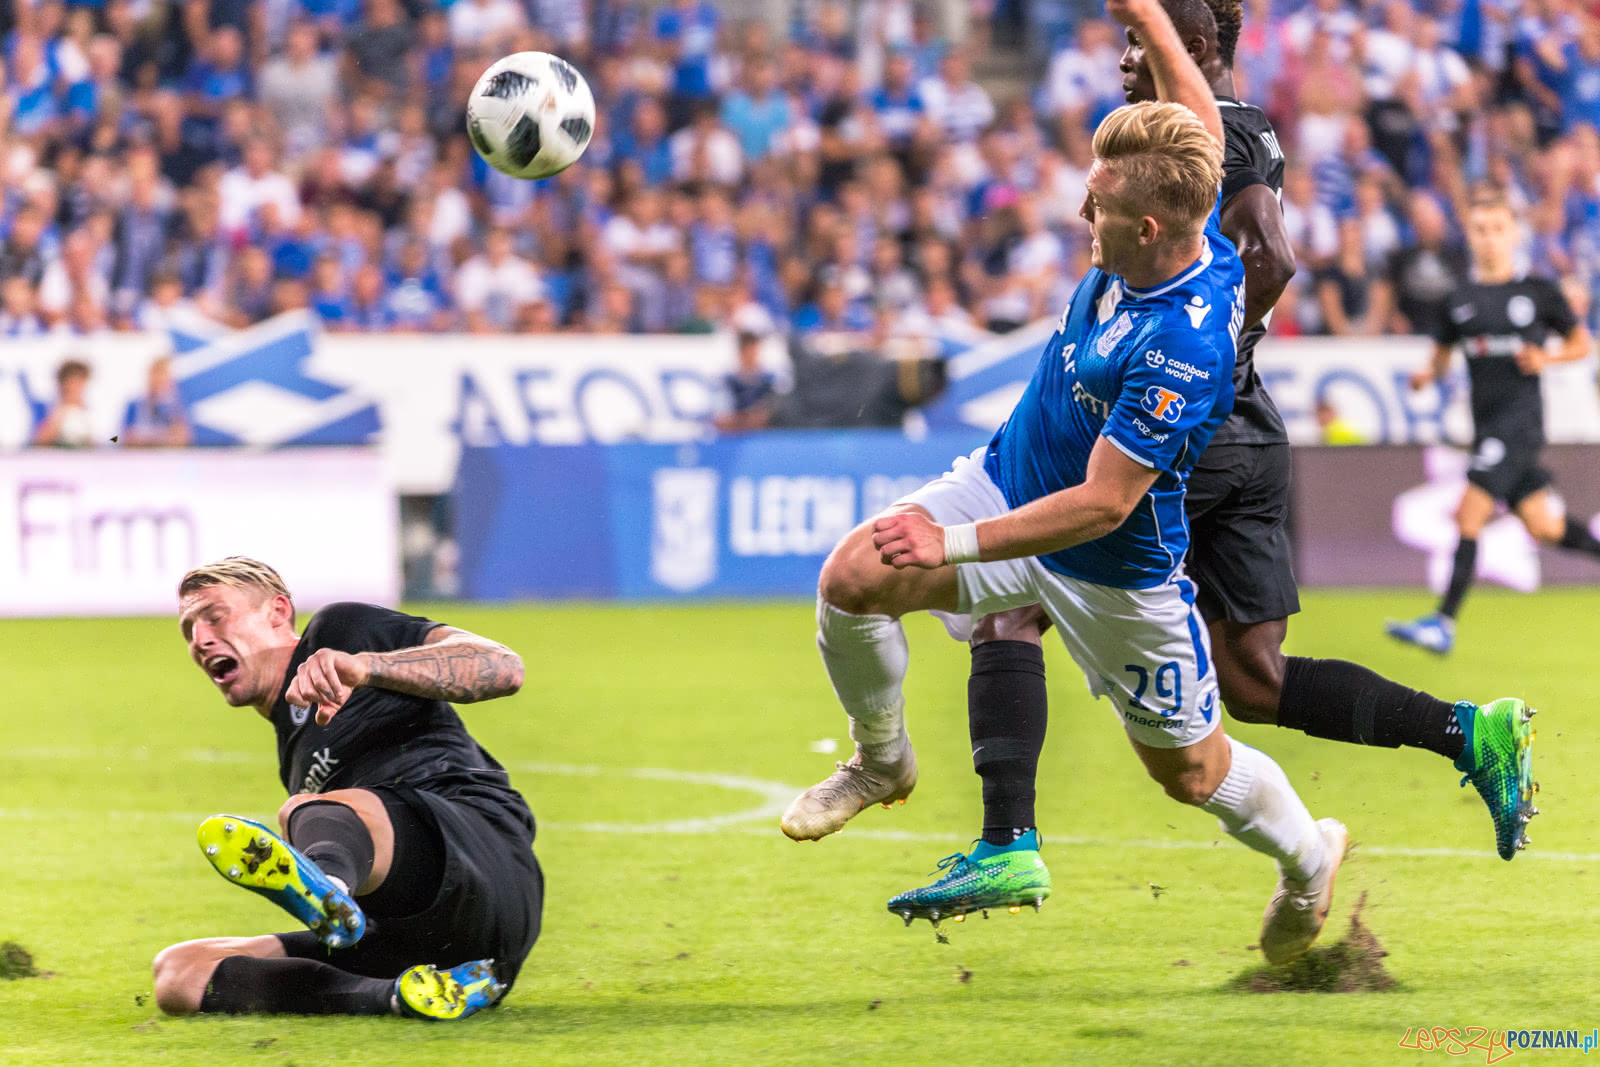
column 246, row 985
column 333, row 836
column 1007, row 709
column 1342, row 701
column 417, row 868
column 1460, row 577
column 1578, row 538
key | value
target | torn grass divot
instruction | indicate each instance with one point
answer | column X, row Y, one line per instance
column 1353, row 965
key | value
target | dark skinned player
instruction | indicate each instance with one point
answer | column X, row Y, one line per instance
column 1240, row 560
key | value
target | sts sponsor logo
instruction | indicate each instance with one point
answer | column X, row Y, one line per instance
column 1164, row 404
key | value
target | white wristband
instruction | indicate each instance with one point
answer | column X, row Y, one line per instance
column 961, row 543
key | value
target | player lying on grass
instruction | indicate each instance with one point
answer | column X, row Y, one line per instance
column 1502, row 322
column 1077, row 505
column 1237, row 501
column 403, row 848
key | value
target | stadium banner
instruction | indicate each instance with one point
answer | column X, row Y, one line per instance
column 1386, row 517
column 420, row 397
column 755, row 516
column 110, row 532
column 740, row 517
column 1365, row 380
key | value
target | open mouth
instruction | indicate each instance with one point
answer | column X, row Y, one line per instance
column 221, row 669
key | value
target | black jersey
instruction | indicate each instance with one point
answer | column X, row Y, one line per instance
column 379, row 737
column 1251, row 156
column 1491, row 324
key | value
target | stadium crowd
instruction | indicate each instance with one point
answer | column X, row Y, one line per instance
column 849, row 182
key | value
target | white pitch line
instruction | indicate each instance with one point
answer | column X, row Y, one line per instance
column 726, row 824
column 774, row 797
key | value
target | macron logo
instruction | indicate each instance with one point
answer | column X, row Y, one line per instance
column 1198, row 310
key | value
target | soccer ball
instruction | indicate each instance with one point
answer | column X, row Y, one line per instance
column 531, row 115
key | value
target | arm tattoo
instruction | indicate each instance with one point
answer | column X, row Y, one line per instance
column 460, row 669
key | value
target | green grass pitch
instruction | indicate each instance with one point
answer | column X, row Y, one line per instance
column 712, row 938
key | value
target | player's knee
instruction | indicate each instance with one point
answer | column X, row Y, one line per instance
column 1546, row 528
column 1250, row 678
column 1019, row 624
column 1252, row 699
column 1189, row 786
column 289, row 806
column 173, row 980
column 848, row 584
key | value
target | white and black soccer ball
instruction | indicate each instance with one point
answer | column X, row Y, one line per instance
column 531, row 115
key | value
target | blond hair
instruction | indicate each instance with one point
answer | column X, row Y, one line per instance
column 240, row 572
column 1170, row 165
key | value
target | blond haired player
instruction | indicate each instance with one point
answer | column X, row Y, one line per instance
column 402, row 847
column 1077, row 505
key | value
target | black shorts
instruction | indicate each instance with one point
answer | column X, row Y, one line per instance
column 1239, row 552
column 490, row 897
column 1507, row 470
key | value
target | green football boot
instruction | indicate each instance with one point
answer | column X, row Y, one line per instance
column 991, row 876
column 1498, row 760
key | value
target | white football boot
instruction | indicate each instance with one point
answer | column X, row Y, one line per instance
column 1298, row 909
column 827, row 806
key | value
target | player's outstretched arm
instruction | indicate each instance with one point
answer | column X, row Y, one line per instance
column 1112, row 488
column 1176, row 76
column 450, row 664
column 1253, row 221
column 1437, row 367
column 1576, row 345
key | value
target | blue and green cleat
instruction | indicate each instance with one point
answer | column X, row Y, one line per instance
column 1498, row 760
column 425, row 992
column 990, row 877
column 249, row 854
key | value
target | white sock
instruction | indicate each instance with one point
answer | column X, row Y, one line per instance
column 1260, row 809
column 340, row 883
column 866, row 659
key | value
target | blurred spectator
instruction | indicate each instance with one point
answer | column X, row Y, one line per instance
column 959, row 105
column 1335, row 428
column 166, row 308
column 686, row 33
column 486, row 26
column 705, row 151
column 255, row 182
column 168, row 163
column 1344, row 286
column 491, row 288
column 376, row 52
column 18, row 318
column 1421, row 277
column 23, row 256
column 750, row 389
column 299, row 87
column 757, row 111
column 157, row 419
column 66, row 424
column 1085, row 83
column 74, row 274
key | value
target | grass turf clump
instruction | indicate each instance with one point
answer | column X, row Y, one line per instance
column 1353, row 965
column 16, row 961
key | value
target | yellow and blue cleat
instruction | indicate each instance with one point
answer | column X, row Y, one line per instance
column 250, row 855
column 426, row 992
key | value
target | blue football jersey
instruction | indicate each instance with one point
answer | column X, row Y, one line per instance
column 1151, row 371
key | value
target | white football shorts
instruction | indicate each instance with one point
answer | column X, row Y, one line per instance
column 1146, row 649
